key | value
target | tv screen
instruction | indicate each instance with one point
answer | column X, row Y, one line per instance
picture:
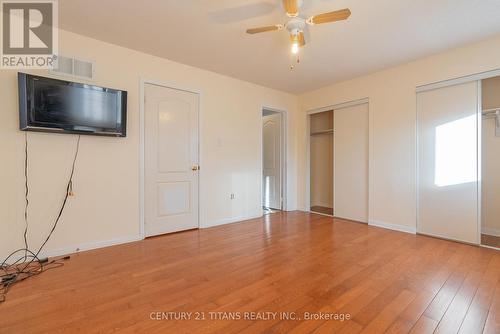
column 53, row 105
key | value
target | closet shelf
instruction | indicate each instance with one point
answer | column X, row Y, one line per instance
column 322, row 132
column 490, row 111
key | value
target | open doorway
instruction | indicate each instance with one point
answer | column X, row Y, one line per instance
column 273, row 160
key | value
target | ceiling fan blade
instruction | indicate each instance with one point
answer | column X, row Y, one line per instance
column 337, row 15
column 265, row 29
column 291, row 7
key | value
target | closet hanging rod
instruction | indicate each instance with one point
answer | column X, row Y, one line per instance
column 491, row 111
column 322, row 132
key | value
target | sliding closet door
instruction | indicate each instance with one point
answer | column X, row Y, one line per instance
column 447, row 133
column 351, row 162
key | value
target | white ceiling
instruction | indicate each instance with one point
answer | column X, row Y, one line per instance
column 210, row 34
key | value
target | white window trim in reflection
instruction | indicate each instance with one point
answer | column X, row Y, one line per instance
column 456, row 152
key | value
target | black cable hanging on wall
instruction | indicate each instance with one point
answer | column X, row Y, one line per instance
column 30, row 264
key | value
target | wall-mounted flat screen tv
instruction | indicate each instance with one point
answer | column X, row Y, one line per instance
column 52, row 105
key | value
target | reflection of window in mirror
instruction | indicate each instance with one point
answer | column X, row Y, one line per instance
column 456, row 152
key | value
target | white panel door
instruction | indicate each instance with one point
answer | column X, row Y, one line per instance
column 350, row 131
column 447, row 160
column 171, row 160
column 271, row 182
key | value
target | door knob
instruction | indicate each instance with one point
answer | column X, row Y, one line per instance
column 195, row 167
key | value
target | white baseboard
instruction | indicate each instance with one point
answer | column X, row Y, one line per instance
column 491, row 231
column 395, row 227
column 124, row 240
column 490, row 247
column 357, row 220
column 319, row 213
column 230, row 220
column 89, row 246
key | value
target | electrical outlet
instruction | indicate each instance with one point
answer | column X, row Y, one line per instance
column 232, row 196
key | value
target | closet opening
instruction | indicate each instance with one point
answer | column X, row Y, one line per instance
column 490, row 163
column 338, row 161
column 321, row 162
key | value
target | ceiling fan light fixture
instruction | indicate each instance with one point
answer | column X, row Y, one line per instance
column 295, row 39
column 296, row 25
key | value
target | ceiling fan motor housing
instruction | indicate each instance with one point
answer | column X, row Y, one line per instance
column 295, row 25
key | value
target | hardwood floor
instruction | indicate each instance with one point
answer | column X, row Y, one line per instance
column 386, row 281
column 490, row 240
column 322, row 209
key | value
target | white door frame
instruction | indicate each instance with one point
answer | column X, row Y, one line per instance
column 332, row 107
column 142, row 133
column 283, row 154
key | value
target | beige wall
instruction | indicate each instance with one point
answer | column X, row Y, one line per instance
column 490, row 89
column 106, row 183
column 392, row 97
column 321, row 153
column 106, row 206
column 491, row 161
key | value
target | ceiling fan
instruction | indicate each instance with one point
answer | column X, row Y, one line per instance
column 296, row 24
